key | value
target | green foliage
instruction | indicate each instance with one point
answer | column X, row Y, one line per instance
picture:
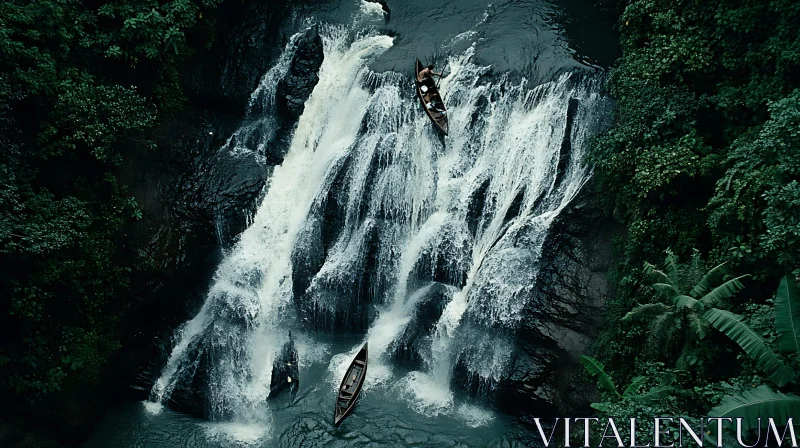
column 759, row 402
column 760, row 189
column 81, row 86
column 631, row 393
column 762, row 400
column 704, row 153
column 787, row 316
column 755, row 347
column 677, row 315
column 706, row 140
column 595, row 368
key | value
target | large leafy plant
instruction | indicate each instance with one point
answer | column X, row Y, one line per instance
column 681, row 301
column 630, row 394
column 762, row 401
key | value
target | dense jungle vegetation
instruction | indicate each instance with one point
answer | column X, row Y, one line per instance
column 82, row 84
column 702, row 165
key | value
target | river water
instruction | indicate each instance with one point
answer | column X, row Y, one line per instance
column 374, row 229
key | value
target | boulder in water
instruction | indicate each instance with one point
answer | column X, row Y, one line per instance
column 189, row 394
column 414, row 342
column 285, row 370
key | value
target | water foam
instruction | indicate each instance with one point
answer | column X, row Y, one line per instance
column 408, row 216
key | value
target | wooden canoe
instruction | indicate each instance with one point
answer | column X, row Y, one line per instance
column 351, row 386
column 439, row 119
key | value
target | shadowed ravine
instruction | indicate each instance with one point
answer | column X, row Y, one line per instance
column 373, row 228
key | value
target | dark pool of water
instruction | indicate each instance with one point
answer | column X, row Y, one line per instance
column 384, row 416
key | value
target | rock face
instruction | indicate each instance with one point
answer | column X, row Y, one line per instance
column 189, row 394
column 415, row 339
column 248, row 39
column 285, row 370
column 564, row 315
column 196, row 197
column 296, row 86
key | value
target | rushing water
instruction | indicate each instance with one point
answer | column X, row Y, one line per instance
column 370, row 220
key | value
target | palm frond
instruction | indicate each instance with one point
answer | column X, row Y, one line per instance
column 633, row 388
column 651, row 271
column 713, row 277
column 665, row 290
column 596, row 368
column 673, row 268
column 699, row 326
column 645, row 311
column 683, row 301
column 653, row 394
column 752, row 344
column 759, row 402
column 787, row 315
column 723, row 291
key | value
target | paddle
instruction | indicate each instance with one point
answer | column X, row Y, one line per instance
column 440, row 81
column 440, row 78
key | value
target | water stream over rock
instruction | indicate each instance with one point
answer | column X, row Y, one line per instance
column 374, row 228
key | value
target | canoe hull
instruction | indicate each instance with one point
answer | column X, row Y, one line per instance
column 350, row 388
column 441, row 122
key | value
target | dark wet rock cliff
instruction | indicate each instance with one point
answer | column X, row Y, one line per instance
column 564, row 315
column 295, row 88
column 197, row 196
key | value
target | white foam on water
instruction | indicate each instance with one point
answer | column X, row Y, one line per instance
column 364, row 135
column 474, row 416
column 425, row 394
column 152, row 407
column 242, row 434
column 371, row 8
column 253, row 283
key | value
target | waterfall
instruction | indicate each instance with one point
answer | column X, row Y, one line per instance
column 375, row 225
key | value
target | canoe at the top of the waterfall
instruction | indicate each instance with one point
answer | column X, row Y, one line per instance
column 428, row 94
column 351, row 385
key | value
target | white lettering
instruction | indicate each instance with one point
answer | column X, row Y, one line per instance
column 697, row 440
column 615, row 436
column 774, row 429
column 541, row 431
column 657, row 431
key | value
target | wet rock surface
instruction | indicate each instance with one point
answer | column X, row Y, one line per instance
column 197, row 194
column 414, row 342
column 248, row 39
column 189, row 394
column 285, row 370
column 564, row 314
column 295, row 88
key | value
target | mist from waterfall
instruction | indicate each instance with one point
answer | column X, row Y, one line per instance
column 372, row 217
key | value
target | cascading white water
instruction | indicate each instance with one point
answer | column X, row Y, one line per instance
column 376, row 211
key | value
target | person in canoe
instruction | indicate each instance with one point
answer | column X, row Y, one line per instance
column 427, row 73
column 434, row 102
